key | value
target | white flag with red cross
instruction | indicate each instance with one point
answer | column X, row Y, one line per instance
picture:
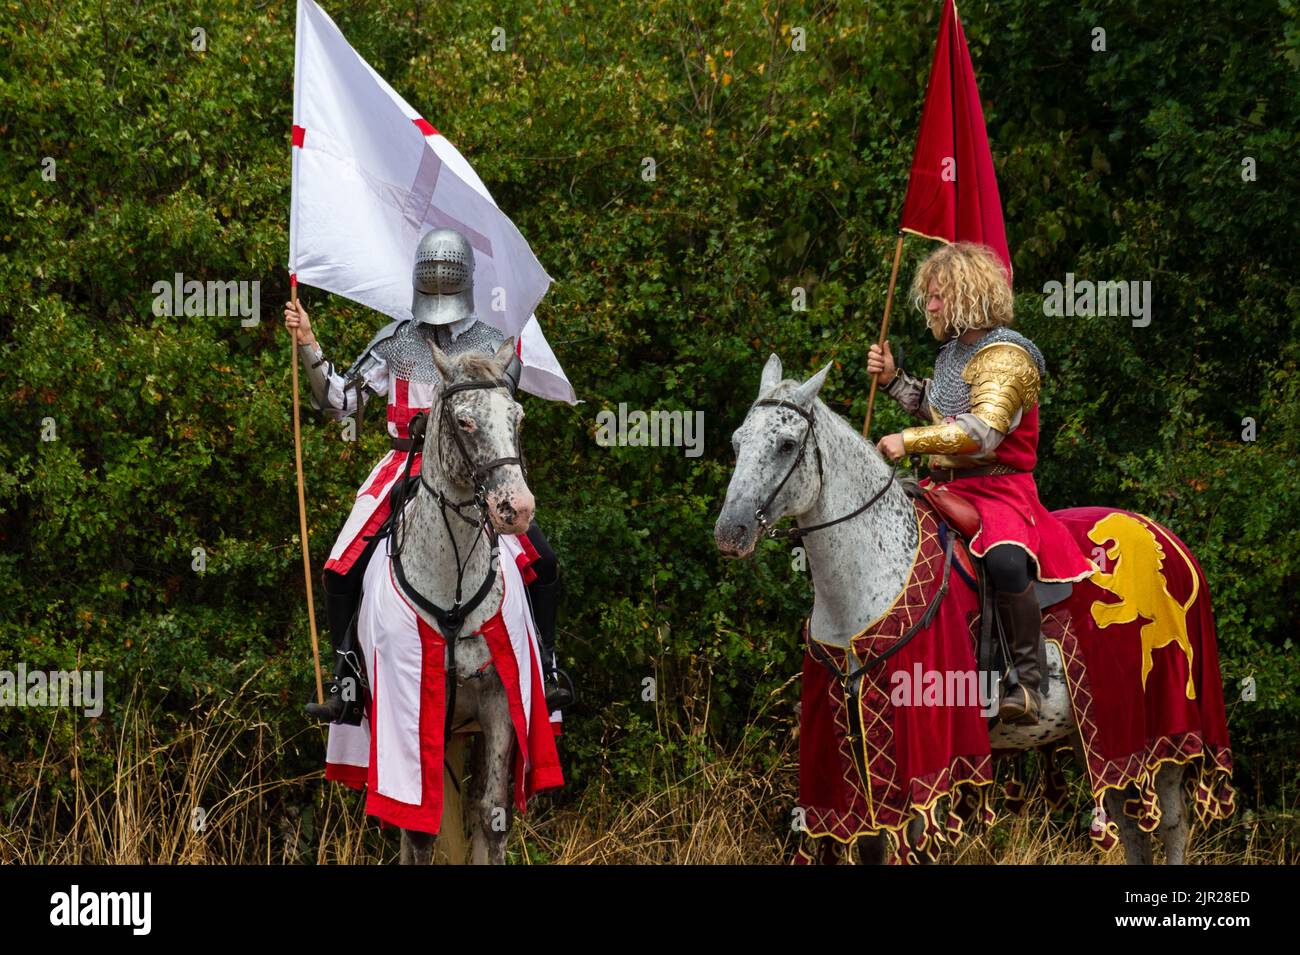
column 371, row 176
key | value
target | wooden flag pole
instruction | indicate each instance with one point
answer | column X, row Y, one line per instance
column 302, row 499
column 884, row 332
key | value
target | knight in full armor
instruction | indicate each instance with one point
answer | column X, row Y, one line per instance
column 980, row 414
column 398, row 365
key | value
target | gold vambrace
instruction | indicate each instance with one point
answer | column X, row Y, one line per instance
column 948, row 438
column 1003, row 380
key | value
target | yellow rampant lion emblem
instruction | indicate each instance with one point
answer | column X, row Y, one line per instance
column 1138, row 580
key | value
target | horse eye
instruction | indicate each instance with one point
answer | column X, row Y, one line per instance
column 787, row 446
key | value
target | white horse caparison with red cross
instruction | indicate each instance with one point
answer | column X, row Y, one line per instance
column 471, row 444
column 436, row 597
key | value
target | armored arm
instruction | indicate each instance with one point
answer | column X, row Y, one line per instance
column 911, row 393
column 339, row 395
column 1004, row 383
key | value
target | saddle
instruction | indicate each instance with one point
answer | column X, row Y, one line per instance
column 957, row 511
column 959, row 516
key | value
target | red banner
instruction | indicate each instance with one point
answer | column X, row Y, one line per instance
column 952, row 193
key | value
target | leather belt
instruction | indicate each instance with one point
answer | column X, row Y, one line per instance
column 401, row 444
column 944, row 475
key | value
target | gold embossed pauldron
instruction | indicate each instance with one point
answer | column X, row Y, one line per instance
column 1003, row 380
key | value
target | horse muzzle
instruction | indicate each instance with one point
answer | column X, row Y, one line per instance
column 736, row 534
column 511, row 509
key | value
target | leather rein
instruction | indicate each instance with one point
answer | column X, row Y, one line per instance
column 850, row 680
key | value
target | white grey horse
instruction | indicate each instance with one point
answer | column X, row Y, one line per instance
column 818, row 469
column 471, row 457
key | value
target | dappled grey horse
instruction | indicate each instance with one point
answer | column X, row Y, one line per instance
column 812, row 465
column 471, row 474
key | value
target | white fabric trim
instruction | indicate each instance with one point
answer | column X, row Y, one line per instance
column 388, row 632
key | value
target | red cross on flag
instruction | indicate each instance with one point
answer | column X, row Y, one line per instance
column 371, row 176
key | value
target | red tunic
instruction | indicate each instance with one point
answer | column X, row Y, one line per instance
column 1011, row 513
column 370, row 509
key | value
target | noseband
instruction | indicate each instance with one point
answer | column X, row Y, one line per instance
column 761, row 512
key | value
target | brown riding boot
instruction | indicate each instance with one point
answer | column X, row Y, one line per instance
column 1022, row 623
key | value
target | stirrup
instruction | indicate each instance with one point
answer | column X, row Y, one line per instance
column 1011, row 712
column 559, row 695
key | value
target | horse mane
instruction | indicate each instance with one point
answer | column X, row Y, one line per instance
column 838, row 421
column 474, row 365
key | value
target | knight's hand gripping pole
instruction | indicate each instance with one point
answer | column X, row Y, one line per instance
column 884, row 332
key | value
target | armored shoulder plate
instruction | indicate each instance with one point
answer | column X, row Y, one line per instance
column 1003, row 379
column 950, row 388
column 1012, row 337
column 385, row 333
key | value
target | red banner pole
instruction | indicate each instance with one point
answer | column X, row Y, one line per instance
column 884, row 331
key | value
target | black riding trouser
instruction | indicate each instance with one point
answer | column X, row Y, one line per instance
column 343, row 594
column 1009, row 567
column 544, row 594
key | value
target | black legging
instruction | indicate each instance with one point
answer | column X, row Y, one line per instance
column 343, row 592
column 1009, row 568
column 544, row 593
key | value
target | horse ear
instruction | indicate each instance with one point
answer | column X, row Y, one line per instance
column 771, row 375
column 803, row 395
column 505, row 351
column 442, row 362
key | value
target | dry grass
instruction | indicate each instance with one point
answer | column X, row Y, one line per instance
column 728, row 807
column 208, row 794
column 720, row 813
column 723, row 816
column 1036, row 839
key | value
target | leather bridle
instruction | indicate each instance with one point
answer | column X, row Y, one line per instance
column 761, row 512
column 478, row 475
